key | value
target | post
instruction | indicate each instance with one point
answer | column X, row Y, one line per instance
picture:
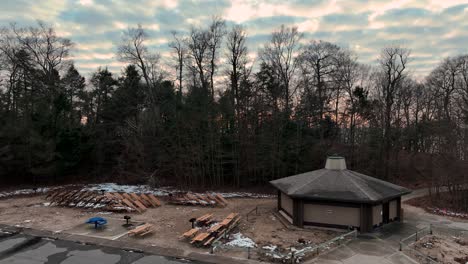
column 430, row 229
column 248, row 253
column 400, row 248
column 416, row 237
column 212, row 250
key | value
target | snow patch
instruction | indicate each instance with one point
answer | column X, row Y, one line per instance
column 241, row 241
column 23, row 192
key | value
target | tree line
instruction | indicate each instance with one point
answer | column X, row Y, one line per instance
column 215, row 116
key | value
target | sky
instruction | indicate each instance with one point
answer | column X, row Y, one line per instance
column 431, row 29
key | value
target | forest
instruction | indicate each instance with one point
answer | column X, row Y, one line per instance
column 216, row 117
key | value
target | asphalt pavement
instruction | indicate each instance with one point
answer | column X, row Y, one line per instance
column 26, row 249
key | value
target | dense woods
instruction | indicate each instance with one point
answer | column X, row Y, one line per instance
column 216, row 117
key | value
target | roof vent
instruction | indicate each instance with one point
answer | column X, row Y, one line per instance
column 335, row 163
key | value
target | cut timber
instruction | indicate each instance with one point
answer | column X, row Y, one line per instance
column 139, row 204
column 202, row 199
column 148, row 200
column 154, row 199
column 212, row 199
column 131, row 205
column 208, row 242
column 127, row 196
column 220, row 197
column 204, row 219
column 200, row 238
column 194, row 198
column 118, row 195
column 141, row 230
column 190, row 233
column 135, row 197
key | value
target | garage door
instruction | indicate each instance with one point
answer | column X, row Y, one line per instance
column 331, row 215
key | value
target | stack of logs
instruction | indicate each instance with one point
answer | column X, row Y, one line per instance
column 108, row 201
column 211, row 233
column 198, row 199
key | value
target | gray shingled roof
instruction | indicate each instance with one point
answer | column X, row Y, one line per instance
column 338, row 185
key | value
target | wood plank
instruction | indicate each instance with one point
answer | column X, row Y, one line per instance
column 211, row 198
column 88, row 199
column 154, row 199
column 135, row 197
column 78, row 197
column 139, row 204
column 219, row 201
column 83, row 196
column 126, row 196
column 222, row 198
column 209, row 241
column 190, row 233
column 200, row 237
column 192, row 197
column 148, row 200
column 203, row 199
column 65, row 197
column 131, row 205
column 204, row 218
column 118, row 195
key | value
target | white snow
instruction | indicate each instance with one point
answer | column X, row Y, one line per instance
column 241, row 241
column 270, row 247
column 23, row 192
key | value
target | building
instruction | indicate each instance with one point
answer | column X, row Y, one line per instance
column 339, row 198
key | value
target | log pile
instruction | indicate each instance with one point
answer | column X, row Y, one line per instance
column 206, row 236
column 78, row 198
column 198, row 199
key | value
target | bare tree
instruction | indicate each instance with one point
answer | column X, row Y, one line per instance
column 180, row 50
column 237, row 59
column 216, row 34
column 321, row 58
column 393, row 62
column 132, row 49
column 280, row 54
column 199, row 44
column 46, row 48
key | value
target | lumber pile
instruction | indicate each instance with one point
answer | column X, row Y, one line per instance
column 108, row 201
column 199, row 199
column 141, row 230
column 206, row 237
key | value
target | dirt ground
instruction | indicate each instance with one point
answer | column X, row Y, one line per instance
column 446, row 250
column 170, row 222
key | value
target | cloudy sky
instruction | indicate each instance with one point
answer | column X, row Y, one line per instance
column 432, row 29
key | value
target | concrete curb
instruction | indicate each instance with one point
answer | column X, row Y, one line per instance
column 136, row 247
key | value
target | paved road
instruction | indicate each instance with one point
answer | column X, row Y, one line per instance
column 24, row 249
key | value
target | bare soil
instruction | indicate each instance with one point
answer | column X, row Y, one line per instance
column 170, row 222
column 445, row 250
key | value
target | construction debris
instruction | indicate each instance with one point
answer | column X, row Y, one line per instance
column 207, row 235
column 105, row 201
column 198, row 199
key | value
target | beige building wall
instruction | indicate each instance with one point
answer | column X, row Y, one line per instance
column 336, row 215
column 376, row 214
column 393, row 209
column 286, row 203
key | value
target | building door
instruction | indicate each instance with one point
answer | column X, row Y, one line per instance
column 385, row 212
